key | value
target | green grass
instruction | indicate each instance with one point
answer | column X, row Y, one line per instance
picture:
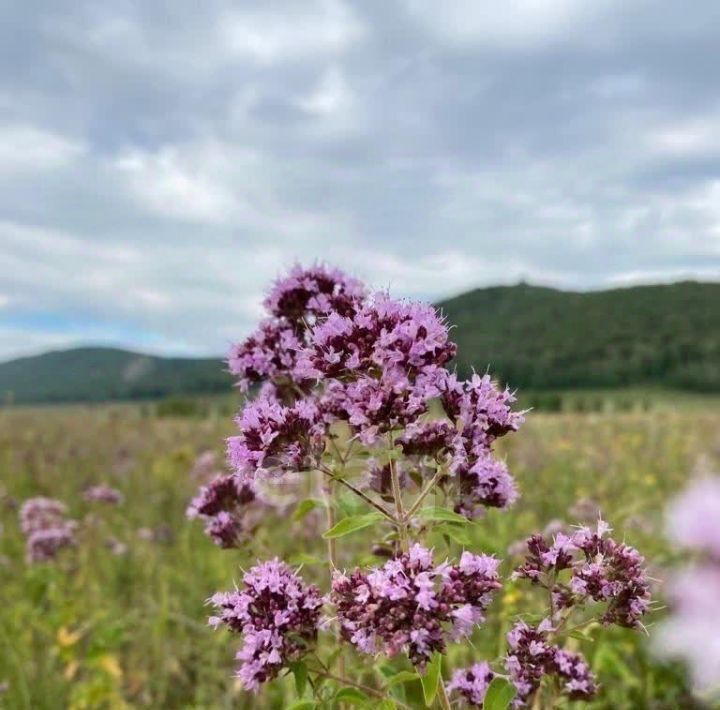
column 98, row 630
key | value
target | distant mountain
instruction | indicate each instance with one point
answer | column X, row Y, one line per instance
column 530, row 337
column 100, row 374
column 541, row 338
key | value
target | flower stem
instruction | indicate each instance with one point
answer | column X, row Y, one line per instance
column 397, row 495
column 442, row 695
column 424, row 493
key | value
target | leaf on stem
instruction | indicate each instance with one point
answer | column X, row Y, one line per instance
column 431, row 679
column 499, row 695
column 352, row 524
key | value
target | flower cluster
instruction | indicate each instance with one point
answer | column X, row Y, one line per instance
column 531, row 656
column 488, row 484
column 47, row 530
column 472, row 683
column 103, row 493
column 277, row 615
column 412, row 605
column 294, row 303
column 277, row 437
column 692, row 631
column 222, row 504
column 601, row 570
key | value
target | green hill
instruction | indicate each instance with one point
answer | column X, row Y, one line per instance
column 541, row 338
column 531, row 337
column 100, row 374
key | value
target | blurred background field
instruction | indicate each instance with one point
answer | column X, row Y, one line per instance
column 120, row 621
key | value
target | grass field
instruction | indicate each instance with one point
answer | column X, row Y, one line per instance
column 120, row 621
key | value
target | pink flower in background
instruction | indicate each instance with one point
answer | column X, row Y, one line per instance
column 694, row 517
column 47, row 530
column 103, row 494
column 692, row 632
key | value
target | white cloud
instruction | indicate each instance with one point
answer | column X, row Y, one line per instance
column 26, row 148
column 274, row 34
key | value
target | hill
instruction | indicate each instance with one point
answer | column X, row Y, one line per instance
column 542, row 338
column 531, row 337
column 101, row 374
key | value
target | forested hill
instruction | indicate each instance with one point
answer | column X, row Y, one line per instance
column 101, row 374
column 541, row 338
column 532, row 338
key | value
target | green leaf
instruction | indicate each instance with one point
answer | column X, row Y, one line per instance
column 352, row 696
column 302, row 705
column 499, row 695
column 402, row 677
column 445, row 515
column 352, row 524
column 386, row 704
column 300, row 672
column 431, row 679
column 304, row 507
column 455, row 533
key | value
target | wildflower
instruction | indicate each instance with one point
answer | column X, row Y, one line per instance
column 602, row 570
column 531, row 656
column 317, row 291
column 483, row 412
column 222, row 504
column 694, row 517
column 44, row 545
column 412, row 605
column 41, row 513
column 275, row 437
column 472, row 683
column 278, row 616
column 47, row 531
column 692, row 631
column 487, row 483
column 103, row 494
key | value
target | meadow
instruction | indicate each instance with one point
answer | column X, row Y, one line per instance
column 121, row 621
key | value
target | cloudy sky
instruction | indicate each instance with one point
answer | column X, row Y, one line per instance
column 161, row 161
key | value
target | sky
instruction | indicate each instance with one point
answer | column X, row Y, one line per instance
column 161, row 162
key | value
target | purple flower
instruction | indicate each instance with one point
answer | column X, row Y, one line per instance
column 472, row 683
column 483, row 412
column 382, row 335
column 276, row 438
column 487, row 484
column 41, row 513
column 103, row 494
column 271, row 352
column 222, row 505
column 692, row 631
column 278, row 616
column 694, row 517
column 316, row 291
column 601, row 570
column 47, row 531
column 531, row 656
column 427, row 438
column 411, row 605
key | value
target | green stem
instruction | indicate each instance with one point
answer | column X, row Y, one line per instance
column 442, row 695
column 424, row 493
column 397, row 495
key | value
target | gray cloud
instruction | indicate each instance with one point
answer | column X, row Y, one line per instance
column 161, row 162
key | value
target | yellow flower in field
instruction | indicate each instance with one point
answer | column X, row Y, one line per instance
column 511, row 597
column 67, row 638
column 71, row 670
column 110, row 665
